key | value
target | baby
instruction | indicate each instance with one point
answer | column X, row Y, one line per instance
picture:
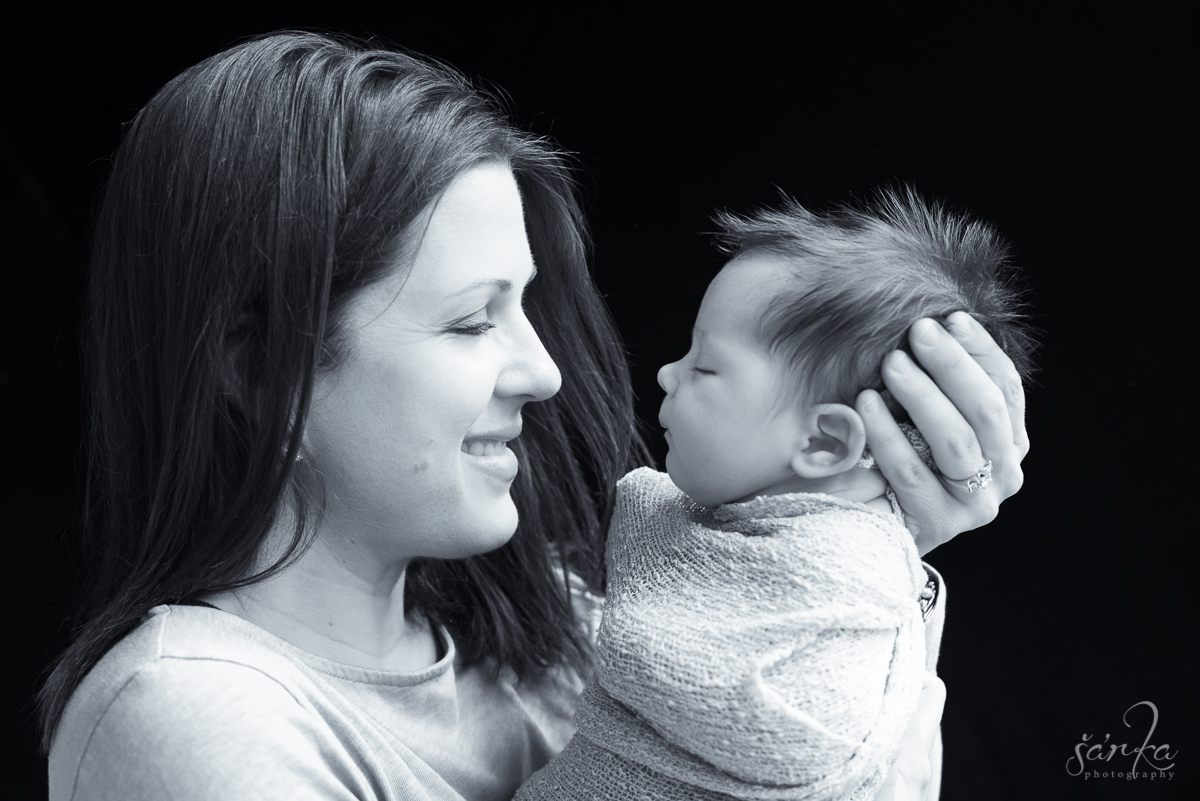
column 763, row 633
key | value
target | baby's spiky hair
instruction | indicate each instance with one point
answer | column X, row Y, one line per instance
column 868, row 274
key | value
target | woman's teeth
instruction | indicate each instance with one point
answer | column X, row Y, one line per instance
column 484, row 447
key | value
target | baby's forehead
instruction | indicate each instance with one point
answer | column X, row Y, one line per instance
column 748, row 283
column 761, row 270
column 738, row 299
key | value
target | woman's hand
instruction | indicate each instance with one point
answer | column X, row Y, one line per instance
column 969, row 405
column 912, row 774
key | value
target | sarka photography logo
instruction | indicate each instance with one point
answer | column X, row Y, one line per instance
column 1094, row 759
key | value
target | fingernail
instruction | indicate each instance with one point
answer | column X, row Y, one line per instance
column 959, row 325
column 927, row 331
column 900, row 362
column 871, row 403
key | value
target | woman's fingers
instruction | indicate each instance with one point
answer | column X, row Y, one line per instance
column 956, row 450
column 987, row 409
column 965, row 397
column 930, row 515
column 987, row 354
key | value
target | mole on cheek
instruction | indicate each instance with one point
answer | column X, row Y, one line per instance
column 420, row 466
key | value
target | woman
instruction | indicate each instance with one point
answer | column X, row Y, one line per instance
column 316, row 334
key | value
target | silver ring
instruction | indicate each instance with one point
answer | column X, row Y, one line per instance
column 978, row 480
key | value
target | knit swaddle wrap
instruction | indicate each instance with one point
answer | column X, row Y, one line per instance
column 765, row 650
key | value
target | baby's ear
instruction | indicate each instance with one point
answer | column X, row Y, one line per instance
column 832, row 440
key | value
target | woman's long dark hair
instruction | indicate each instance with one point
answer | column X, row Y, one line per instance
column 249, row 201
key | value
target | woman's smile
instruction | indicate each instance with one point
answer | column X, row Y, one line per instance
column 485, row 447
column 493, row 456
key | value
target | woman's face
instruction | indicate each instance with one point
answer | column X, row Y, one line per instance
column 410, row 431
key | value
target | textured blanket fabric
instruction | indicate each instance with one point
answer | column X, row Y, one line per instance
column 772, row 649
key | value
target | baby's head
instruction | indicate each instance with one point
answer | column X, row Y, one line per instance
column 798, row 323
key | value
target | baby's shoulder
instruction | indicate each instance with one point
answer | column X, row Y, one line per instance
column 648, row 489
column 644, row 479
column 648, row 500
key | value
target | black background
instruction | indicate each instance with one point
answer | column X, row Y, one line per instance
column 1066, row 131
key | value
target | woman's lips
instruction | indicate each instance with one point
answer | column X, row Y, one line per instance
column 492, row 456
column 484, row 447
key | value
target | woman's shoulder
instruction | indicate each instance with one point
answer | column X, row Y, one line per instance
column 182, row 642
column 182, row 701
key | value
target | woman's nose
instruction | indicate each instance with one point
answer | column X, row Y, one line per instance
column 533, row 372
column 667, row 379
column 547, row 379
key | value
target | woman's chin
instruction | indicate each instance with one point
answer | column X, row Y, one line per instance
column 492, row 529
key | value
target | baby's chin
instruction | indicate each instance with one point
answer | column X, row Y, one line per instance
column 704, row 496
column 677, row 478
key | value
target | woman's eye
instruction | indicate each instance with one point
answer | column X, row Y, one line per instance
column 702, row 371
column 472, row 329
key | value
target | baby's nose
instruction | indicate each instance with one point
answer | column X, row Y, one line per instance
column 667, row 379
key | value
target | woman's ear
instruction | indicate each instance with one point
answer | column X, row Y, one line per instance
column 832, row 441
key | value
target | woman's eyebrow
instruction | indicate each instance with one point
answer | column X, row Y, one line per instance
column 503, row 284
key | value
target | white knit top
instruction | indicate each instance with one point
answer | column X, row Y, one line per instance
column 772, row 649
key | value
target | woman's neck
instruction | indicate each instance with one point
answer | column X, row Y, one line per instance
column 337, row 607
